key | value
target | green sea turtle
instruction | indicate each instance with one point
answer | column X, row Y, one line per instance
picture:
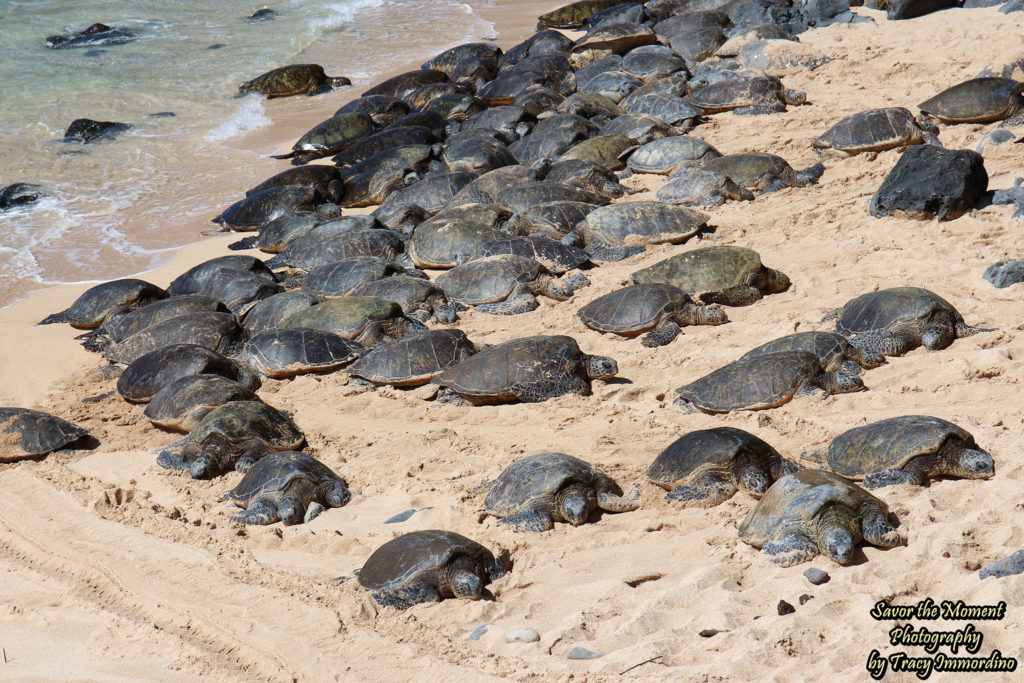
column 894, row 321
column 429, row 566
column 147, row 375
column 294, row 79
column 106, row 300
column 815, row 512
column 288, row 486
column 506, row 284
column 658, row 309
column 640, row 223
column 294, row 351
column 908, row 450
column 610, row 39
column 123, row 326
column 534, row 492
column 978, row 100
column 746, row 95
column 701, row 187
column 875, row 130
column 209, row 329
column 329, row 137
column 764, row 381
column 364, row 319
column 413, row 361
column 832, row 349
column 762, row 172
column 418, row 297
column 529, row 369
column 28, row 433
column 573, row 15
column 234, row 435
column 182, row 404
column 727, row 275
column 706, row 467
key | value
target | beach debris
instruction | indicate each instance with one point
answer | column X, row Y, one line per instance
column 477, row 632
column 428, row 566
column 28, row 433
column 522, row 635
column 1008, row 566
column 1013, row 195
column 706, row 467
column 405, row 515
column 265, row 14
column 816, row 512
column 658, row 309
column 582, row 653
column 993, row 139
column 289, row 487
column 1005, row 273
column 784, row 608
column 534, row 492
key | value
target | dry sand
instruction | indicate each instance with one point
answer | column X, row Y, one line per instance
column 114, row 568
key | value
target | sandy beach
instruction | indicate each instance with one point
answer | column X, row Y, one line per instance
column 115, row 569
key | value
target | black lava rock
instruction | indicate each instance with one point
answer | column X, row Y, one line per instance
column 931, row 182
column 1008, row 566
column 19, row 193
column 908, row 9
column 87, row 130
column 1005, row 273
column 785, row 608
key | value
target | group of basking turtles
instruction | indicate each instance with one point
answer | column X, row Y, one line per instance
column 497, row 179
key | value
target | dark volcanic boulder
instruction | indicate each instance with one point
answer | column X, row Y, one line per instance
column 931, row 182
column 1005, row 273
column 908, row 9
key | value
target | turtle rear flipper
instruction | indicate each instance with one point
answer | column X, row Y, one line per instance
column 170, row 460
column 530, row 520
column 259, row 513
column 962, row 330
column 706, row 492
column 599, row 251
column 790, row 550
column 772, row 107
column 608, row 500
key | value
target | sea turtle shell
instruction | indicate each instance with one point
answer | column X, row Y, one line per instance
column 890, row 444
column 182, row 404
column 342, row 277
column 975, row 101
column 881, row 309
column 575, row 14
column 754, row 170
column 872, row 131
column 554, row 256
column 27, row 433
column 431, row 193
column 450, row 59
column 537, row 476
column 153, row 371
column 665, row 155
column 106, row 300
column 455, row 235
column 324, row 245
column 641, row 223
column 347, row 316
column 695, row 451
column 412, row 361
column 294, row 79
column 704, row 271
column 736, row 92
column 640, row 128
column 763, row 381
column 488, row 280
column 401, row 561
column 383, row 109
column 316, row 176
column 272, row 475
column 204, row 276
column 123, row 326
column 209, row 329
column 261, row 207
column 401, row 85
column 241, row 420
column 330, row 136
column 831, row 348
column 522, row 198
column 294, row 351
column 268, row 313
column 610, row 39
column 632, row 310
column 794, row 501
column 652, row 61
column 554, row 219
column 411, row 293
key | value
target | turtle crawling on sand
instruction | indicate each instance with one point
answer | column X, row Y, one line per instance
column 294, row 79
column 876, row 130
column 815, row 512
column 428, row 566
column 28, row 433
column 288, row 486
column 106, row 300
column 907, row 450
column 536, row 491
column 706, row 467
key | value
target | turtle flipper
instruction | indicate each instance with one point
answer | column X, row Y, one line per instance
column 170, row 460
column 706, row 492
column 962, row 328
column 892, row 478
column 665, row 332
column 530, row 520
column 523, row 303
column 608, row 500
column 483, row 488
column 542, row 390
column 259, row 513
column 737, row 295
column 314, row 510
column 251, row 452
column 772, row 107
column 404, row 598
column 889, row 343
column 876, row 528
column 790, row 550
column 599, row 251
column 452, row 398
column 61, row 317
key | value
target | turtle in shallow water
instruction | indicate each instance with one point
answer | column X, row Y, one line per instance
column 288, row 486
column 294, row 351
column 413, row 361
column 94, row 36
column 658, row 309
column 106, row 300
column 894, row 321
column 329, row 137
column 234, row 435
column 294, row 79
column 978, row 100
column 908, row 450
column 534, row 492
column 28, row 433
column 764, row 381
column 530, row 369
column 506, row 284
column 746, row 95
column 832, row 349
column 182, row 404
column 815, row 512
column 706, row 467
column 727, row 275
column 429, row 566
column 875, row 130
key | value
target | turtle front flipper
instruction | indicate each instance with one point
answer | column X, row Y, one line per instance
column 259, row 513
column 876, row 529
column 666, row 331
column 404, row 598
column 790, row 550
column 737, row 295
column 610, row 501
column 962, row 329
column 542, row 390
column 892, row 342
column 292, row 510
column 170, row 460
column 892, row 478
column 314, row 510
column 61, row 317
column 522, row 303
column 530, row 520
column 706, row 492
column 599, row 251
column 770, row 107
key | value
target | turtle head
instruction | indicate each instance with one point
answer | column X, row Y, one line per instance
column 465, row 584
column 977, row 464
column 837, row 543
column 714, row 315
column 843, row 382
column 602, row 367
column 291, row 511
column 936, row 338
column 753, row 479
column 337, row 494
column 870, row 359
column 777, row 280
column 575, row 504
